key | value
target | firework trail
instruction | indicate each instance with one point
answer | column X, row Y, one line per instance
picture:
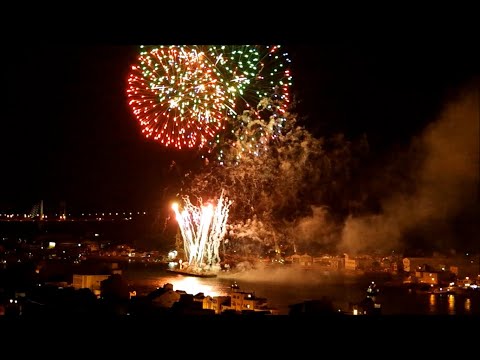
column 203, row 229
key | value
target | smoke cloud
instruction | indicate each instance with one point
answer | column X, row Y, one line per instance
column 317, row 229
column 446, row 186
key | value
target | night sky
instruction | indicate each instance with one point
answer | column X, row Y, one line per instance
column 67, row 133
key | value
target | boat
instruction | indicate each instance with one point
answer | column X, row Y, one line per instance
column 369, row 305
column 372, row 289
column 190, row 272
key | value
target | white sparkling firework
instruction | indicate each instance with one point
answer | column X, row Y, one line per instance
column 203, row 229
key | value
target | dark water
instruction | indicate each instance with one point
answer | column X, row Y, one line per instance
column 284, row 287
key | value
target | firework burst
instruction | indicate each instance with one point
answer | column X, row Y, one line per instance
column 211, row 95
column 177, row 98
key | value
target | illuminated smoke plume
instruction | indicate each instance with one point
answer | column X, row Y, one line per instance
column 445, row 189
column 284, row 194
column 316, row 231
column 203, row 228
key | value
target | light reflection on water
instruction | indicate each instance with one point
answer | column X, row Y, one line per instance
column 283, row 289
column 192, row 285
column 146, row 280
column 451, row 304
column 433, row 303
